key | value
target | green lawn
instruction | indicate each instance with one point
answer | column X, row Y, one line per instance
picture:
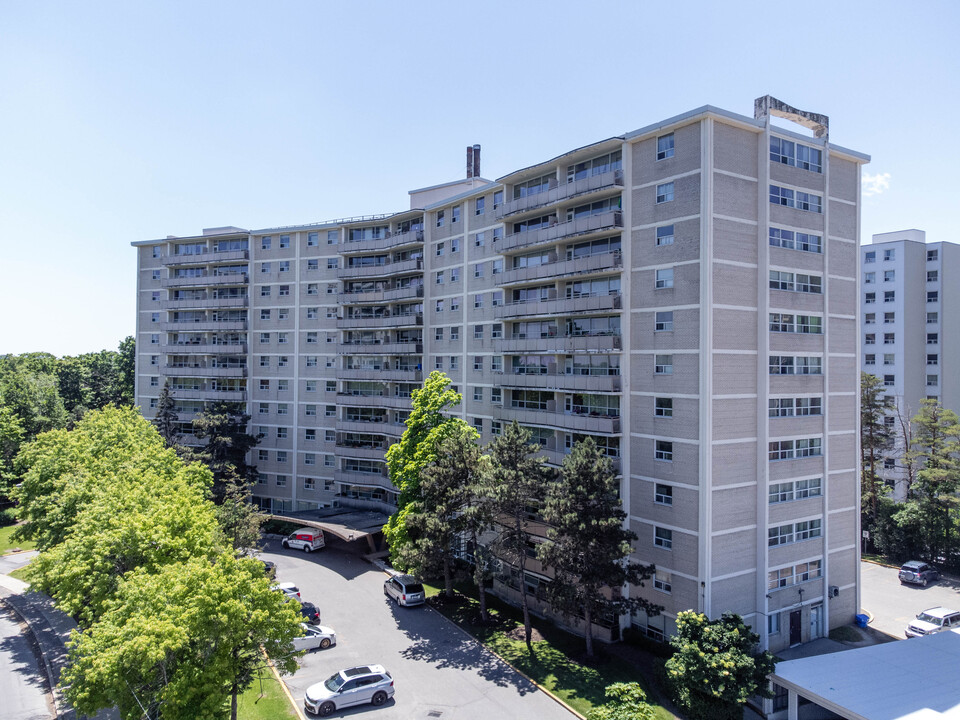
column 553, row 664
column 273, row 705
column 6, row 544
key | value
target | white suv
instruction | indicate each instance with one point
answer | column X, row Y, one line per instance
column 353, row 686
column 933, row 620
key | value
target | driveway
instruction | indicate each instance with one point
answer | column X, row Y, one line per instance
column 894, row 605
column 440, row 673
column 23, row 681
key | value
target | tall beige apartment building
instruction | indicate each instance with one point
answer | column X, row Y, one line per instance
column 685, row 294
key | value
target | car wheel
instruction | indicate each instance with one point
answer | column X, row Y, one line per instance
column 326, row 709
column 397, row 598
column 307, row 548
column 385, row 591
column 325, row 643
column 283, row 544
column 379, row 698
column 923, row 582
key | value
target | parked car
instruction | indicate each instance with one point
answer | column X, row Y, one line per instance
column 288, row 589
column 315, row 638
column 310, row 612
column 269, row 569
column 933, row 620
column 306, row 539
column 353, row 686
column 405, row 590
column 919, row 573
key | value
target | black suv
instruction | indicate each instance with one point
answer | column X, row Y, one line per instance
column 919, row 573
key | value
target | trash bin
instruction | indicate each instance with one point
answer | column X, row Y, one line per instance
column 862, row 620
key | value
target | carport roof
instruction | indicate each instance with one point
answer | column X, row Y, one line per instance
column 916, row 679
column 344, row 523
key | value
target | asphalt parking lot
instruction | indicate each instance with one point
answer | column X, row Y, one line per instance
column 894, row 605
column 440, row 673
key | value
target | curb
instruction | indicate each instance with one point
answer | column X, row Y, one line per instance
column 286, row 690
column 51, row 684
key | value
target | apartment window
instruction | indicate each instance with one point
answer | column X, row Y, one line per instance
column 455, row 245
column 264, row 338
column 889, row 464
column 454, row 274
column 333, row 237
column 780, row 407
column 809, row 447
column 664, row 278
column 282, row 433
column 329, row 410
column 155, row 317
column 309, row 483
column 870, row 257
column 331, row 386
column 497, row 234
column 809, row 406
column 663, row 321
column 264, row 314
column 478, row 301
column 479, row 206
column 264, row 385
column 478, row 239
column 310, row 410
column 154, row 359
column 662, row 581
column 497, row 199
column 780, row 535
column 889, row 380
column 454, row 362
column 933, row 296
column 310, row 386
column 438, row 364
column 889, row 275
column 439, row 250
column 496, row 332
column 313, row 239
column 155, row 339
column 870, row 277
column 478, row 394
column 265, row 242
column 782, row 196
column 311, row 338
column 773, row 628
column 309, row 459
column 795, row 240
column 478, row 270
column 889, row 296
column 455, row 330
column 496, row 298
column 496, row 363
column 889, row 338
column 663, row 364
column 933, row 359
column 283, row 338
column 889, row 318
column 779, row 578
column 263, row 409
column 933, row 380
column 311, row 361
column 284, row 266
column 154, row 382
column 313, row 264
column 664, row 450
column 663, row 538
column 788, row 152
column 808, row 488
column 456, row 214
column 665, row 235
column 478, row 363
column 440, row 218
column 807, row 530
column 663, row 494
column 312, row 313
column 933, row 275
column 663, row 407
column 889, row 254
column 155, row 275
column 155, row 296
column 496, row 396
column 665, row 193
column 781, row 450
column 478, row 425
column 780, row 492
column 281, row 479
column 264, row 291
column 665, row 147
column 439, row 277
column 933, row 338
column 332, row 263
column 888, row 421
column 478, row 332
column 284, row 291
column 870, row 298
column 438, row 307
column 496, row 427
column 310, row 434
column 283, row 409
column 438, row 334
column 329, row 436
column 263, row 455
column 933, row 255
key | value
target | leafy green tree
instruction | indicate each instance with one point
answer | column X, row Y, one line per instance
column 125, row 390
column 588, row 545
column 224, row 426
column 716, row 666
column 435, row 521
column 28, row 386
column 166, row 420
column 626, row 701
column 240, row 520
column 407, row 458
column 11, row 437
column 73, row 384
column 517, row 480
column 875, row 437
column 477, row 520
column 181, row 643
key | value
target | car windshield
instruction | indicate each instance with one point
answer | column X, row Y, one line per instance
column 414, row 588
column 930, row 619
column 334, row 683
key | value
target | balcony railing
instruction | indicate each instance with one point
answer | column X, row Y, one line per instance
column 385, row 401
column 206, row 393
column 556, row 268
column 377, row 348
column 413, row 376
column 363, row 453
column 560, row 306
column 385, row 427
column 561, row 381
column 386, row 243
column 580, row 226
column 381, row 270
column 207, row 348
column 566, row 421
column 364, row 504
column 205, row 258
column 560, row 344
column 363, row 479
column 556, row 193
column 204, row 326
column 204, row 371
column 382, row 321
column 204, row 302
column 205, row 280
column 380, row 296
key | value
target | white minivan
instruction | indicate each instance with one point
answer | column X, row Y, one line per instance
column 306, row 539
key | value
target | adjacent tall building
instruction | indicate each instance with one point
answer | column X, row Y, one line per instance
column 910, row 336
column 685, row 294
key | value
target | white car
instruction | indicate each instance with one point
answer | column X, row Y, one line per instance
column 933, row 620
column 353, row 686
column 288, row 589
column 315, row 637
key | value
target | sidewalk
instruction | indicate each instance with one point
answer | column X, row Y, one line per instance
column 51, row 628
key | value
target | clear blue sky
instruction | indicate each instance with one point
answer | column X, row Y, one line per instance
column 124, row 121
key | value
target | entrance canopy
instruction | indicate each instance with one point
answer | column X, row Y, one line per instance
column 916, row 679
column 345, row 523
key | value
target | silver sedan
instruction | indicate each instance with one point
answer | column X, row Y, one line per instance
column 315, row 637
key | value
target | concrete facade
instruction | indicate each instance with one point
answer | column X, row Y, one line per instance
column 910, row 331
column 685, row 294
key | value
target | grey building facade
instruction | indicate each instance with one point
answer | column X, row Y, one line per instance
column 685, row 294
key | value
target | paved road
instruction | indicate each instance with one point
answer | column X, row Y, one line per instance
column 894, row 605
column 440, row 673
column 23, row 681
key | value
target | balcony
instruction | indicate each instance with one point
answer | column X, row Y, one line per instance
column 364, row 453
column 413, row 376
column 381, row 321
column 363, row 504
column 205, row 281
column 204, row 326
column 381, row 296
column 561, row 306
column 581, row 226
column 205, row 302
column 559, row 344
column 363, row 479
column 382, row 401
column 376, row 348
column 578, row 266
column 385, row 427
column 204, row 371
column 382, row 270
column 600, row 424
column 390, row 242
column 206, row 258
column 555, row 457
column 561, row 381
column 207, row 349
column 205, row 392
column 556, row 193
